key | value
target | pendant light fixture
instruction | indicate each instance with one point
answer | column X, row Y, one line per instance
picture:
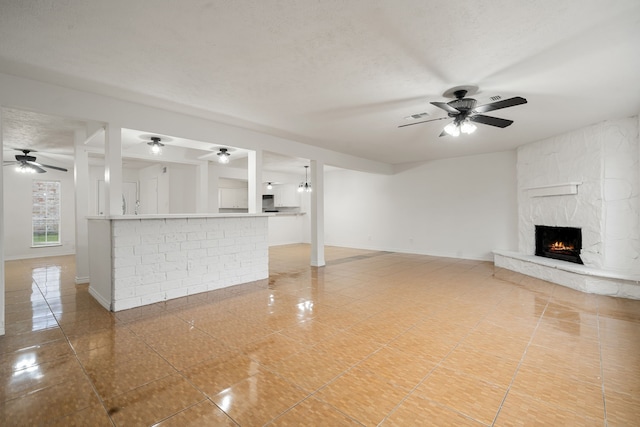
column 305, row 186
column 156, row 145
column 223, row 156
column 269, row 186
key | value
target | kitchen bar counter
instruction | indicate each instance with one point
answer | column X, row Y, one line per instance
column 137, row 260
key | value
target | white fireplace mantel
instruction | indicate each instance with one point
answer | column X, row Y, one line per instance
column 563, row 189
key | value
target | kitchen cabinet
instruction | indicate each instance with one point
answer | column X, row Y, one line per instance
column 286, row 195
column 233, row 198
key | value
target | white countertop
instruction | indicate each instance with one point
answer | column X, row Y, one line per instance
column 180, row 216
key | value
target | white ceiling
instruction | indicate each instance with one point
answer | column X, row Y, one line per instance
column 339, row 74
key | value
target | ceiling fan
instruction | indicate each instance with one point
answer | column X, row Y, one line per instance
column 465, row 113
column 27, row 164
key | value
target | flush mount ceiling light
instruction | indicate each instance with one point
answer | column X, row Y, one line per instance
column 223, row 156
column 155, row 145
column 305, row 186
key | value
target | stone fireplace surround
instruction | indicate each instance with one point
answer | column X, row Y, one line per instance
column 590, row 179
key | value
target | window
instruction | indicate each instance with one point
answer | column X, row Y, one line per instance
column 46, row 213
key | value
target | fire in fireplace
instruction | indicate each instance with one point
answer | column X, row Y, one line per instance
column 563, row 243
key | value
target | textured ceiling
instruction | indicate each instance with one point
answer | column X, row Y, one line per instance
column 342, row 74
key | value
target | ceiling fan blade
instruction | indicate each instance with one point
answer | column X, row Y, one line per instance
column 9, row 162
column 40, row 165
column 55, row 167
column 446, row 107
column 518, row 100
column 491, row 121
column 36, row 166
column 424, row 121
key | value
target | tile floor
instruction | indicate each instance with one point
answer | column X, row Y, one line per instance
column 373, row 338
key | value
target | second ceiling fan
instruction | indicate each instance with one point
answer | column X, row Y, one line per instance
column 465, row 113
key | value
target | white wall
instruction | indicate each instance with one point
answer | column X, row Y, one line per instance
column 463, row 207
column 182, row 188
column 18, row 204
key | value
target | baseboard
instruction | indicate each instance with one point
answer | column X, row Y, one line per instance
column 103, row 302
column 82, row 280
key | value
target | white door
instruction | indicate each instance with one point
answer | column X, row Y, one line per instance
column 129, row 197
column 149, row 196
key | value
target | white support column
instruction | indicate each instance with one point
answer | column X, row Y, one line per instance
column 202, row 187
column 255, row 181
column 81, row 183
column 2, row 301
column 113, row 170
column 317, row 213
column 214, row 176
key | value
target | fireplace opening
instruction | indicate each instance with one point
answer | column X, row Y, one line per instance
column 563, row 243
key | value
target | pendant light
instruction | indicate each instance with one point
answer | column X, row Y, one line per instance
column 223, row 156
column 305, row 186
column 155, row 145
column 269, row 186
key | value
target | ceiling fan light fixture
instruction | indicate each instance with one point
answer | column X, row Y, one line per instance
column 452, row 129
column 223, row 156
column 155, row 146
column 468, row 127
column 25, row 168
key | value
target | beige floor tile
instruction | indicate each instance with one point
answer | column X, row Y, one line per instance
column 489, row 367
column 115, row 340
column 398, row 368
column 153, row 402
column 10, row 344
column 201, row 414
column 312, row 412
column 498, row 340
column 186, row 347
column 20, row 382
column 561, row 390
column 35, row 355
column 574, row 362
column 95, row 416
column 372, row 322
column 475, row 398
column 521, row 410
column 215, row 375
column 116, row 374
column 433, row 347
column 622, row 379
column 310, row 332
column 362, row 395
column 48, row 404
column 622, row 409
column 258, row 399
column 418, row 411
column 272, row 348
column 348, row 347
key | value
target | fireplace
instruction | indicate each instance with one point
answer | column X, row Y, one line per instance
column 563, row 243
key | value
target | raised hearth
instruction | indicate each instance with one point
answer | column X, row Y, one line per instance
column 574, row 276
